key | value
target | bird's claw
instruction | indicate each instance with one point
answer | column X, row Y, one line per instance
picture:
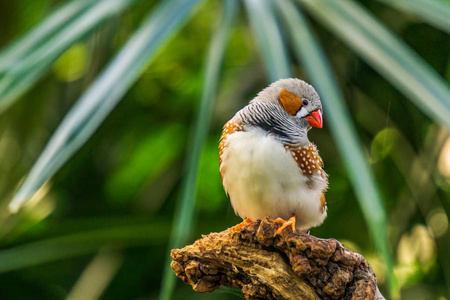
column 290, row 222
column 242, row 224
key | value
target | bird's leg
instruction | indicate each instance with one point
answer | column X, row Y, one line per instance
column 242, row 224
column 290, row 222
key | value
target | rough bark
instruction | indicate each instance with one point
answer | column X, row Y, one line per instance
column 291, row 265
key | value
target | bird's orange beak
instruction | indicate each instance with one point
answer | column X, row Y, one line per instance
column 315, row 119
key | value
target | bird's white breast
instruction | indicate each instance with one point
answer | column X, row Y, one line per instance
column 263, row 179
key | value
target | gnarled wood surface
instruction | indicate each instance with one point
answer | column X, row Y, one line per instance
column 292, row 265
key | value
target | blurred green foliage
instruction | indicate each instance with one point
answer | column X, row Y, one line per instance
column 102, row 225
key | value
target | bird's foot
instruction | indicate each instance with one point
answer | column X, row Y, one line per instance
column 290, row 222
column 242, row 224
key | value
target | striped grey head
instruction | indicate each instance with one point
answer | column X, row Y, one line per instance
column 297, row 98
column 286, row 109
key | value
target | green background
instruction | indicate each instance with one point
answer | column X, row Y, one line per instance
column 148, row 179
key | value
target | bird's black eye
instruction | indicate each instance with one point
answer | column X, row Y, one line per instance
column 305, row 102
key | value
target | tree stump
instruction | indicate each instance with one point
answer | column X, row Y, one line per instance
column 291, row 265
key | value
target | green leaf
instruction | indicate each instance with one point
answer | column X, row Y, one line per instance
column 184, row 214
column 150, row 156
column 268, row 36
column 104, row 94
column 80, row 243
column 311, row 54
column 435, row 12
column 25, row 70
column 13, row 53
column 385, row 53
column 12, row 86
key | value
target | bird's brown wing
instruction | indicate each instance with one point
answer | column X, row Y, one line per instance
column 310, row 162
column 308, row 159
column 229, row 128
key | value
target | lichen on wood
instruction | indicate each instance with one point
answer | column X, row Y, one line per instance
column 291, row 265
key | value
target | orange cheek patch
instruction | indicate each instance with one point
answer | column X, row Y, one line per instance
column 290, row 102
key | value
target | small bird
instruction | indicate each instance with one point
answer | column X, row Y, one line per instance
column 268, row 165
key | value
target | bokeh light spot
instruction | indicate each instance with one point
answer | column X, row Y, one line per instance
column 73, row 63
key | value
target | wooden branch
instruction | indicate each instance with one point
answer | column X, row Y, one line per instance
column 292, row 265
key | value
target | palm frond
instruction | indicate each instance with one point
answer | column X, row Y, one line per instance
column 27, row 61
column 182, row 225
column 78, row 244
column 386, row 53
column 312, row 56
column 268, row 36
column 435, row 12
column 104, row 94
column 25, row 45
